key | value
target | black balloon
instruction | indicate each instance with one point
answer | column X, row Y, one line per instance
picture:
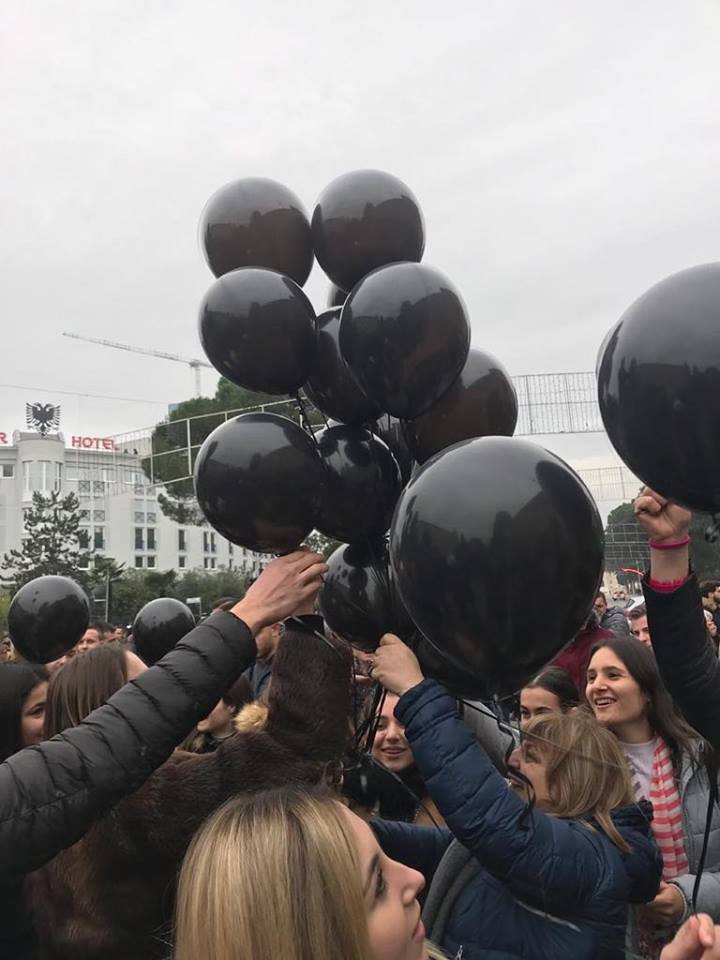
column 659, row 387
column 404, row 333
column 363, row 485
column 358, row 598
column 257, row 222
column 363, row 220
column 331, row 386
column 47, row 617
column 394, row 433
column 260, row 482
column 159, row 626
column 481, row 403
column 336, row 297
column 258, row 329
column 497, row 549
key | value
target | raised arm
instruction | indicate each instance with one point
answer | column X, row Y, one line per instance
column 50, row 794
column 676, row 622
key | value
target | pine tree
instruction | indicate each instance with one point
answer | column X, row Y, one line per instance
column 52, row 543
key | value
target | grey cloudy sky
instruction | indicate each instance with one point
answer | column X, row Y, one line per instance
column 566, row 156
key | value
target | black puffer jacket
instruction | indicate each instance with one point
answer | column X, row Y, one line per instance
column 689, row 667
column 50, row 794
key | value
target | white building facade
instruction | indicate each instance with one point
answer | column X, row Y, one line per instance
column 120, row 512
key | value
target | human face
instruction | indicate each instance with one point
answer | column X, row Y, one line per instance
column 528, row 760
column 534, row 701
column 390, row 748
column 600, row 605
column 134, row 665
column 639, row 629
column 395, row 929
column 616, row 698
column 712, row 628
column 32, row 715
column 90, row 639
column 218, row 722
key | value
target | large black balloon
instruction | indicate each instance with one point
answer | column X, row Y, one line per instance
column 394, row 433
column 358, row 598
column 260, row 482
column 363, row 220
column 336, row 297
column 481, row 403
column 404, row 333
column 659, row 387
column 332, row 386
column 497, row 549
column 160, row 625
column 258, row 329
column 47, row 617
column 363, row 485
column 257, row 222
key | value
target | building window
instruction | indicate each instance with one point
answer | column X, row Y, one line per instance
column 213, row 545
column 99, row 538
column 83, row 486
column 57, row 476
column 231, row 550
column 98, row 514
column 8, row 470
column 84, row 514
column 151, row 518
column 139, row 541
column 138, row 488
column 181, row 562
column 138, row 561
column 209, row 563
column 206, row 542
column 84, row 539
column 230, row 565
column 139, row 516
column 151, row 538
column 182, row 540
column 98, row 488
column 151, row 561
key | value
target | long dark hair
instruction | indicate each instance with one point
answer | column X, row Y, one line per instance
column 85, row 683
column 662, row 714
column 17, row 681
column 558, row 682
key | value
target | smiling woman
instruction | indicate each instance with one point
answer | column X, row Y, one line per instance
column 320, row 887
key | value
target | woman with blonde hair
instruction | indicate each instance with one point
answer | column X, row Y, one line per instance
column 544, row 867
column 286, row 875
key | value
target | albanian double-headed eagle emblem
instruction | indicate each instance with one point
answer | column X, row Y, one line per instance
column 42, row 417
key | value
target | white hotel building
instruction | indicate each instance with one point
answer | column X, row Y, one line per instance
column 119, row 508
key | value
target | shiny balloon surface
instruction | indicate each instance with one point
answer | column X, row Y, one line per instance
column 256, row 222
column 394, row 433
column 259, row 482
column 47, row 617
column 336, row 297
column 363, row 220
column 358, row 598
column 362, row 485
column 497, row 550
column 332, row 386
column 659, row 387
column 482, row 402
column 405, row 335
column 258, row 329
column 159, row 626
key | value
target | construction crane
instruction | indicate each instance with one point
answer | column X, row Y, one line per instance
column 193, row 364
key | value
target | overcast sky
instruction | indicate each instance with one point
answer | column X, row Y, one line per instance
column 566, row 156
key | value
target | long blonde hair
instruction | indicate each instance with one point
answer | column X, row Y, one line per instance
column 273, row 876
column 587, row 772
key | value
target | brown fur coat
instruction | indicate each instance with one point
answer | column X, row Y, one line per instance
column 111, row 895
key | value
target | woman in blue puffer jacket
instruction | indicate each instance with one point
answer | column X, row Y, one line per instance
column 509, row 880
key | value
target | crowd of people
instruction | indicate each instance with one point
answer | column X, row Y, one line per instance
column 267, row 791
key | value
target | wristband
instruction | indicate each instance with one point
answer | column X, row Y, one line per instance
column 666, row 586
column 669, row 545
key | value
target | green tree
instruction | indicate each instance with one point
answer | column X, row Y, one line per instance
column 135, row 588
column 211, row 585
column 176, row 441
column 52, row 543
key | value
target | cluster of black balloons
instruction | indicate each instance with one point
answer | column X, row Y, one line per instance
column 405, row 398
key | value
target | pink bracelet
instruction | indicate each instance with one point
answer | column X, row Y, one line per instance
column 671, row 545
column 666, row 586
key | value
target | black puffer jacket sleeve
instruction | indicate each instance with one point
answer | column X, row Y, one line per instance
column 50, row 794
column 689, row 668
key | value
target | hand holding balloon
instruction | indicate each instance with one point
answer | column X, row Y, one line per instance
column 285, row 584
column 697, row 939
column 395, row 666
